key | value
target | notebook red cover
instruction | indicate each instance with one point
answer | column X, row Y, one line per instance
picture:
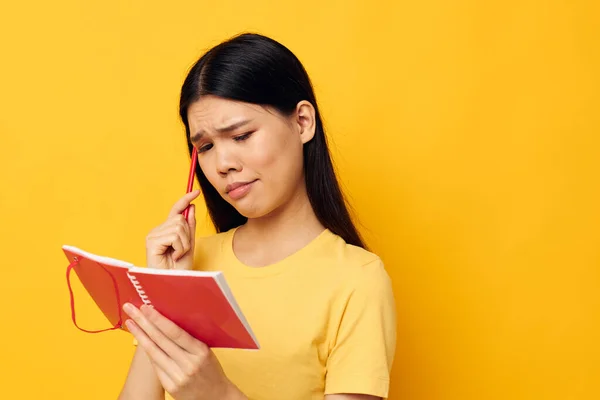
column 199, row 302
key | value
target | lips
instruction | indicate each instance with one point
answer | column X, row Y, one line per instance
column 235, row 185
column 237, row 190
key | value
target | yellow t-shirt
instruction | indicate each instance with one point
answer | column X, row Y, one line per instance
column 324, row 317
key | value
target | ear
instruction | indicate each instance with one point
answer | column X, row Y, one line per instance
column 305, row 119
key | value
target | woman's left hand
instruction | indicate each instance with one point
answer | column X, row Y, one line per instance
column 186, row 367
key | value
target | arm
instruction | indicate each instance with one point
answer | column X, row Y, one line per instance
column 168, row 246
column 360, row 360
column 141, row 382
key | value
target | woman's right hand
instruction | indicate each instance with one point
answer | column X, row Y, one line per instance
column 171, row 244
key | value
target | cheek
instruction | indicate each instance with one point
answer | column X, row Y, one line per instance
column 263, row 158
column 208, row 170
column 277, row 160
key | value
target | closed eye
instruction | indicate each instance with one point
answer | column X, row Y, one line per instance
column 243, row 136
column 204, row 148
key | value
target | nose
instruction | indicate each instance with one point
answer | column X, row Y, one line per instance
column 227, row 161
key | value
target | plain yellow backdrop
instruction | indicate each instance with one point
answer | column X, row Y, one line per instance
column 467, row 138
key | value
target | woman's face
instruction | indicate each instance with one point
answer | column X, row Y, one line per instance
column 252, row 155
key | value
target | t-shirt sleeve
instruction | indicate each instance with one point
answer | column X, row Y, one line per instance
column 361, row 358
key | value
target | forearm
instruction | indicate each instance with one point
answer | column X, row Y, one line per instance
column 141, row 382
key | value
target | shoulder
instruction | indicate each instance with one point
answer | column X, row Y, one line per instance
column 354, row 259
column 355, row 268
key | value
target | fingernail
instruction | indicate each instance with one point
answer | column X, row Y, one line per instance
column 127, row 307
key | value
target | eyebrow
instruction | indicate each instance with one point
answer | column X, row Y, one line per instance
column 231, row 127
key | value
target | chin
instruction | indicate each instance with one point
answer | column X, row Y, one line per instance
column 252, row 211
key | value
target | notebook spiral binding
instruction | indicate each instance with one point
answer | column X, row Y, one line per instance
column 139, row 289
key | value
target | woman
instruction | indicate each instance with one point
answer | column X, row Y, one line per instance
column 320, row 305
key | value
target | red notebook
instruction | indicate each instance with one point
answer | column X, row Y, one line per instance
column 200, row 302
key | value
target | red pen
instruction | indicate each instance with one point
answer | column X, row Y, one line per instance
column 190, row 183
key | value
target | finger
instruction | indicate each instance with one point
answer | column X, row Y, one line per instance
column 163, row 377
column 181, row 226
column 166, row 381
column 177, row 335
column 160, row 347
column 177, row 225
column 176, row 237
column 168, row 377
column 183, row 202
column 160, row 245
column 173, row 223
column 192, row 224
column 157, row 355
column 177, row 242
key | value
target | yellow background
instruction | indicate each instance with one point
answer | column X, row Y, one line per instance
column 466, row 134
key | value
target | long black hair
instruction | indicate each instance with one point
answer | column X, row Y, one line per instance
column 255, row 69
